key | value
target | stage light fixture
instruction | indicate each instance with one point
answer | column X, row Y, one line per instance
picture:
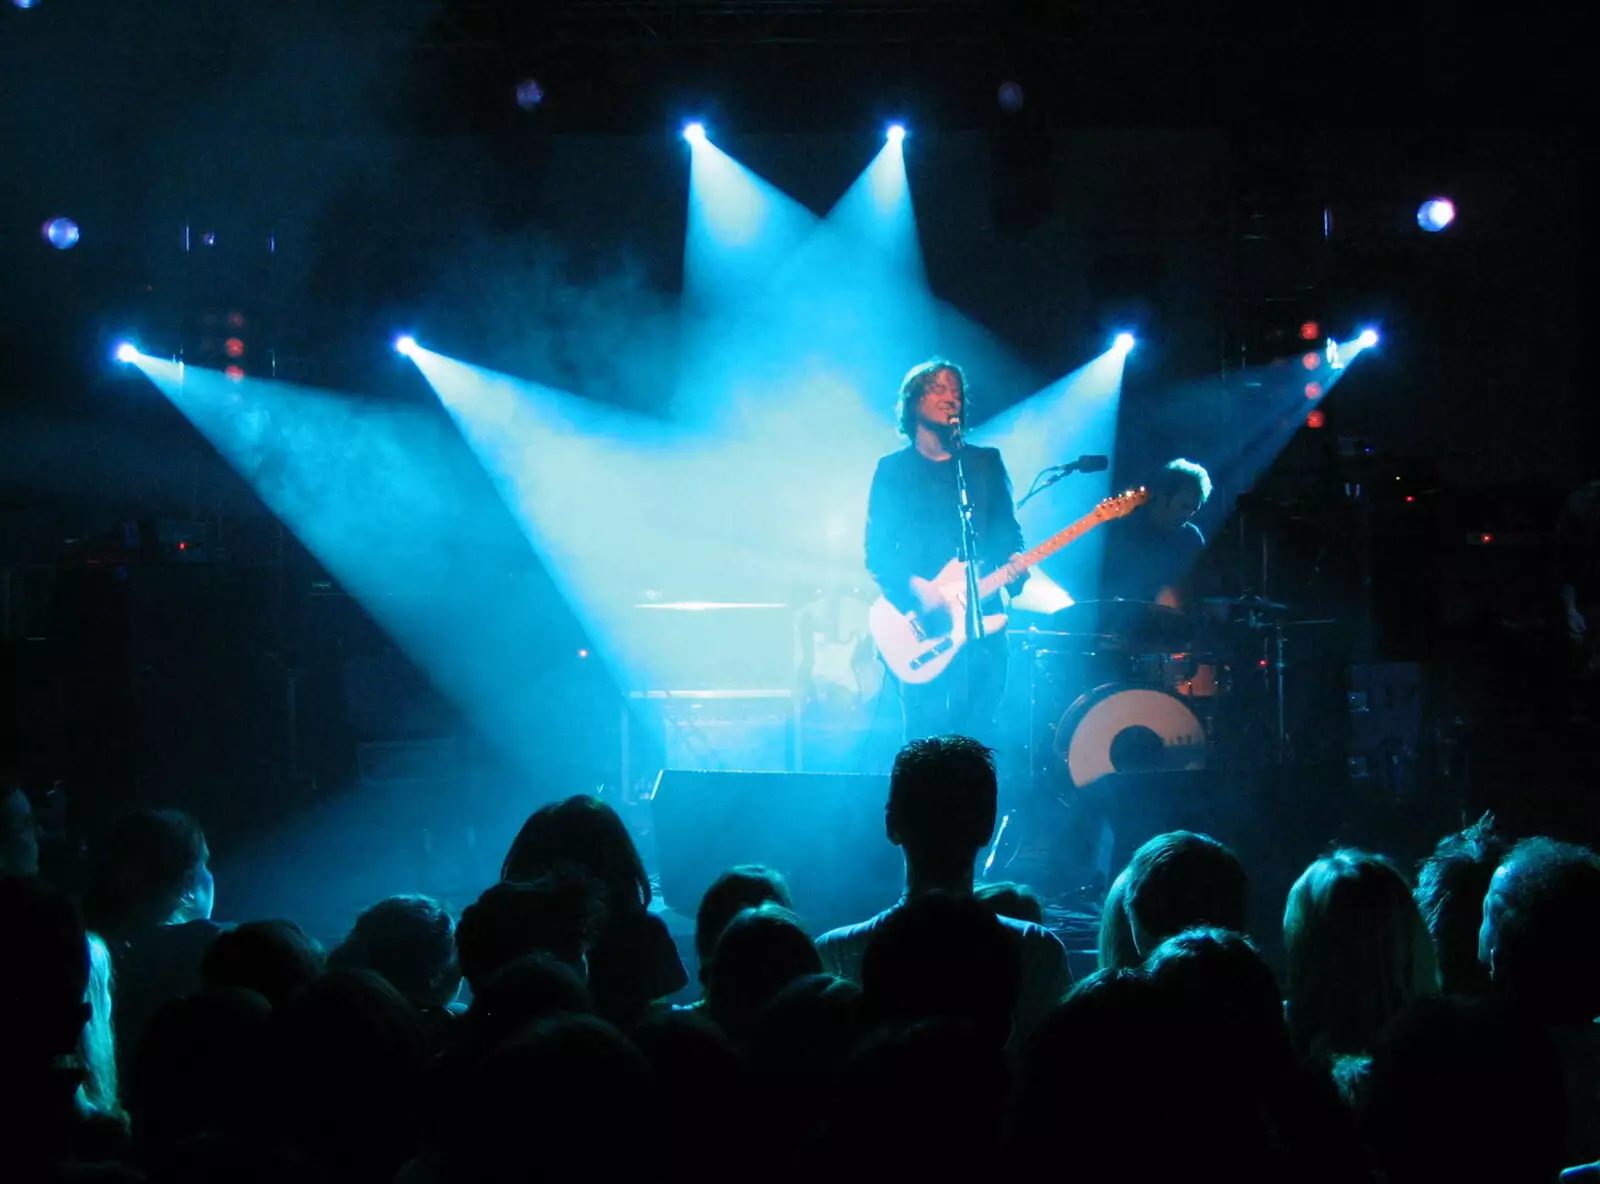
column 695, row 133
column 1124, row 342
column 1368, row 338
column 1310, row 331
column 405, row 345
column 1435, row 214
column 126, row 351
column 61, row 233
column 529, row 94
column 896, row 133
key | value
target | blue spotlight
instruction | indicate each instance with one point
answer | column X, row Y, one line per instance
column 1368, row 338
column 62, row 233
column 695, row 133
column 529, row 94
column 897, row 133
column 1124, row 342
column 126, row 351
column 406, row 346
column 1435, row 214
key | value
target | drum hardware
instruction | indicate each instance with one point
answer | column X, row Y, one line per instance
column 1122, row 729
column 1202, row 694
column 1131, row 625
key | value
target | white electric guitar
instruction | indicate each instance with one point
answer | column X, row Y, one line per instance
column 918, row 654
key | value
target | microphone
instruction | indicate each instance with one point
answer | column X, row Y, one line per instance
column 1084, row 464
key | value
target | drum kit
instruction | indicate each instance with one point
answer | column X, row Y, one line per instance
column 1122, row 686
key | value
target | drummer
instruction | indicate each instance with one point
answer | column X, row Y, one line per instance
column 1156, row 553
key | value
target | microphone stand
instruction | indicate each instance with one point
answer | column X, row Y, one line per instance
column 969, row 557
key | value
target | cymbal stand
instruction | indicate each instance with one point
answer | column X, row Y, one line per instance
column 1280, row 702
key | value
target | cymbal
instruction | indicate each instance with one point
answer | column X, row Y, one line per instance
column 1131, row 620
column 1253, row 602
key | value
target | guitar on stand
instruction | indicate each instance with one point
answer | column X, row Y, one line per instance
column 918, row 651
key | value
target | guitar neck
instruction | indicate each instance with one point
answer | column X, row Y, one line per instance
column 995, row 580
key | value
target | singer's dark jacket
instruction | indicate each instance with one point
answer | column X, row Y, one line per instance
column 913, row 518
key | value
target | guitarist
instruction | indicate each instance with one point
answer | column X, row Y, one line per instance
column 914, row 529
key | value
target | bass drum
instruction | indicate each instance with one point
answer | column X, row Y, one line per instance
column 1128, row 729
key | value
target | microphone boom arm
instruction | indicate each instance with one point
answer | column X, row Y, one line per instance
column 1048, row 477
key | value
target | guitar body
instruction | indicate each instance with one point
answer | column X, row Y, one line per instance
column 915, row 653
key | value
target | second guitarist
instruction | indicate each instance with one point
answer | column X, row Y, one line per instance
column 914, row 529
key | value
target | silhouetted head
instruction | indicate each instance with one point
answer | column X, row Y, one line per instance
column 273, row 958
column 1225, row 998
column 1461, row 1090
column 19, row 834
column 920, row 1102
column 1137, row 1063
column 198, row 1068
column 1356, row 951
column 344, row 1060
column 526, row 990
column 761, row 951
column 409, row 940
column 1451, row 885
column 802, row 1041
column 1114, row 945
column 737, row 889
column 558, row 915
column 550, row 1101
column 940, row 957
column 585, row 834
column 1016, row 901
column 149, row 870
column 806, row 1032
column 1119, row 1023
column 251, row 1157
column 706, row 1103
column 1537, row 932
column 44, row 973
column 942, row 802
column 1181, row 880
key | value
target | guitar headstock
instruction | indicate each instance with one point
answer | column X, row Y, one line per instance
column 1122, row 504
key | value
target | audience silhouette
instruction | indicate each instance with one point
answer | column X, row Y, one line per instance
column 1442, row 1034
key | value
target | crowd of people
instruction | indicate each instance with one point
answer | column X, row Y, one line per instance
column 1441, row 1031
